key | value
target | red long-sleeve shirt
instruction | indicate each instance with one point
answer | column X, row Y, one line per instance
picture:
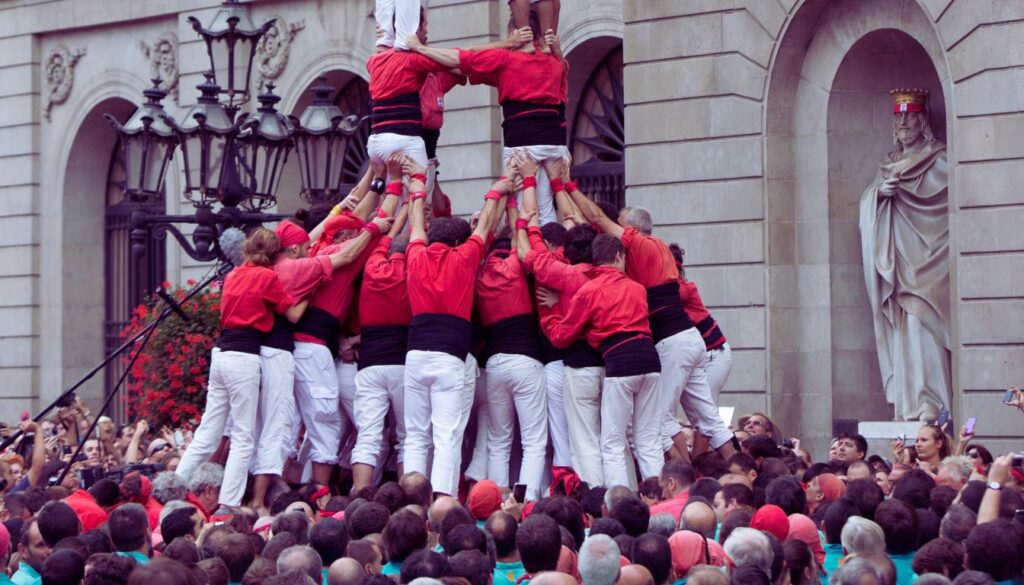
column 432, row 97
column 648, row 259
column 519, row 76
column 609, row 304
column 249, row 298
column 440, row 277
column 501, row 289
column 301, row 276
column 335, row 296
column 552, row 271
column 384, row 297
column 393, row 72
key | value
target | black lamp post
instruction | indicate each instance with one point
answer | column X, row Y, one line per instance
column 320, row 140
column 263, row 147
column 147, row 144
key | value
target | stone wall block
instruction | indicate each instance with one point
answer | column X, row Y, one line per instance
column 985, row 276
column 732, row 158
column 814, row 286
column 20, row 108
column 990, row 138
column 17, row 230
column 749, row 371
column 848, row 288
column 936, row 7
column 812, row 242
column 17, row 50
column 991, row 92
column 460, row 21
column 20, row 139
column 653, row 9
column 18, row 321
column 474, row 160
column 19, row 291
column 690, row 203
column 18, row 260
column 696, row 77
column 769, row 15
column 991, row 230
column 745, row 326
column 732, row 285
column 994, row 419
column 469, row 126
column 988, row 322
column 677, row 37
column 991, row 368
column 740, row 32
column 991, row 183
column 718, row 243
column 963, row 17
column 15, row 352
column 978, row 51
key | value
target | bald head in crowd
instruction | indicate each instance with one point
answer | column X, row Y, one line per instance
column 635, row 575
column 345, row 571
column 699, row 516
column 552, row 578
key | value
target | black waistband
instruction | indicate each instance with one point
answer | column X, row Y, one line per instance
column 322, row 325
column 430, row 138
column 398, row 115
column 281, row 335
column 549, row 351
column 440, row 332
column 243, row 340
column 629, row 354
column 582, row 355
column 711, row 333
column 667, row 316
column 383, row 345
column 517, row 335
column 529, row 124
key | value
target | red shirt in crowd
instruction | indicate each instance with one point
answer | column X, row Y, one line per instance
column 432, row 97
column 87, row 510
column 441, row 278
column 608, row 304
column 384, row 297
column 394, row 72
column 250, row 297
column 648, row 259
column 501, row 289
column 335, row 296
column 535, row 77
column 672, row 506
column 552, row 271
column 301, row 276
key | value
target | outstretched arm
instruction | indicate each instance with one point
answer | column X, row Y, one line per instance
column 447, row 57
column 351, row 252
column 595, row 216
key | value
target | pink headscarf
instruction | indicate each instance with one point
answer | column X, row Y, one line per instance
column 802, row 528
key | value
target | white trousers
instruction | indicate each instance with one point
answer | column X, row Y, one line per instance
column 718, row 364
column 516, row 387
column 438, row 399
column 346, row 410
column 234, row 386
column 625, row 400
column 583, row 417
column 381, row 146
column 477, row 468
column 317, row 396
column 276, row 411
column 545, row 198
column 398, row 19
column 684, row 379
column 558, row 427
column 378, row 388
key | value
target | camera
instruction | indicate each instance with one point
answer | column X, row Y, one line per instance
column 88, row 476
column 788, row 443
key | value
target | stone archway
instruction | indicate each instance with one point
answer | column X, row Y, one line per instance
column 820, row 142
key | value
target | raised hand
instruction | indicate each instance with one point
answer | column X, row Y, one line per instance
column 411, row 167
column 524, row 163
column 383, row 224
column 521, row 36
column 395, row 165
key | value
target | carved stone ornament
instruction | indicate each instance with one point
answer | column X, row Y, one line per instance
column 59, row 75
column 272, row 50
column 163, row 60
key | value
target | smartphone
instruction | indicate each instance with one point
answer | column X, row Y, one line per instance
column 519, row 492
column 969, row 425
column 179, row 439
column 1008, row 396
column 943, row 418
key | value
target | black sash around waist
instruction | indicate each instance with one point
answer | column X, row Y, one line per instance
column 667, row 316
column 582, row 355
column 430, row 138
column 281, row 335
column 528, row 124
column 398, row 115
column 711, row 333
column 245, row 340
column 629, row 353
column 549, row 351
column 517, row 335
column 383, row 345
column 440, row 332
column 322, row 325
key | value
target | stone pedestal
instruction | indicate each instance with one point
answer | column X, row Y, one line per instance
column 880, row 434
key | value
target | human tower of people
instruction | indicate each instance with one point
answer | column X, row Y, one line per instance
column 548, row 310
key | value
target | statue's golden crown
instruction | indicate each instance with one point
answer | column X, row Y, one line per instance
column 909, row 100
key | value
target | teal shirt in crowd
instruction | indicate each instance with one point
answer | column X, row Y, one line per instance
column 26, row 575
column 136, row 556
column 508, row 573
column 833, row 554
column 391, row 568
column 904, row 570
column 5, row 580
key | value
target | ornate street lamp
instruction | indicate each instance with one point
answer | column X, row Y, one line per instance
column 147, row 143
column 263, row 147
column 320, row 140
column 231, row 40
column 207, row 136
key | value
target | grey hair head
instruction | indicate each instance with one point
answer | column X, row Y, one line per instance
column 957, row 523
column 663, row 524
column 853, row 570
column 861, row 536
column 302, row 559
column 168, row 486
column 599, row 560
column 207, row 475
column 639, row 218
column 933, row 579
column 172, row 506
column 748, row 546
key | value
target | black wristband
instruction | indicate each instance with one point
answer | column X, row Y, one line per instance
column 377, row 185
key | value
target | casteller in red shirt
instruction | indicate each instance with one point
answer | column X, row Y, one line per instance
column 650, row 262
column 384, row 311
column 504, row 307
column 396, row 78
column 87, row 510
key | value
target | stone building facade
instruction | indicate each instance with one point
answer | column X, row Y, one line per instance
column 748, row 127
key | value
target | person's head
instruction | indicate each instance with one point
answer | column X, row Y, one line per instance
column 979, row 455
column 612, row 527
column 860, row 469
column 914, row 488
column 578, row 243
column 417, row 489
column 465, row 537
column 502, row 527
column 599, row 561
column 973, row 578
column 404, row 534
column 705, row 487
column 278, row 544
column 91, row 450
column 758, row 423
column 664, row 524
column 698, row 516
column 749, row 546
column 800, row 562
column 168, row 486
column 676, row 477
column 179, row 523
column 730, row 496
column 637, row 218
column 450, row 231
column 369, row 518
column 391, row 496
column 932, row 444
column 899, row 523
column 633, row 514
column 182, row 550
column 650, row 491
column 706, row 575
column 554, row 235
column 294, row 523
column 653, row 551
column 608, row 251
column 32, row 548
column 858, row 571
column 771, row 519
column 261, row 247
column 539, row 542
column 293, row 237
column 108, row 569
column 369, row 556
column 58, row 521
column 825, row 487
column 862, row 537
column 941, row 556
column 568, row 513
column 851, row 447
column 425, row 563
column 866, row 495
column 954, row 471
column 957, row 523
column 63, row 567
column 237, row 553
column 205, row 484
column 329, row 538
column 995, row 548
column 471, row 565
column 738, row 518
column 762, row 447
column 787, row 493
column 345, row 571
column 301, row 559
column 168, row 572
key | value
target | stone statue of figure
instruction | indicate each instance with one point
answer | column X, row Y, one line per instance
column 904, row 229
